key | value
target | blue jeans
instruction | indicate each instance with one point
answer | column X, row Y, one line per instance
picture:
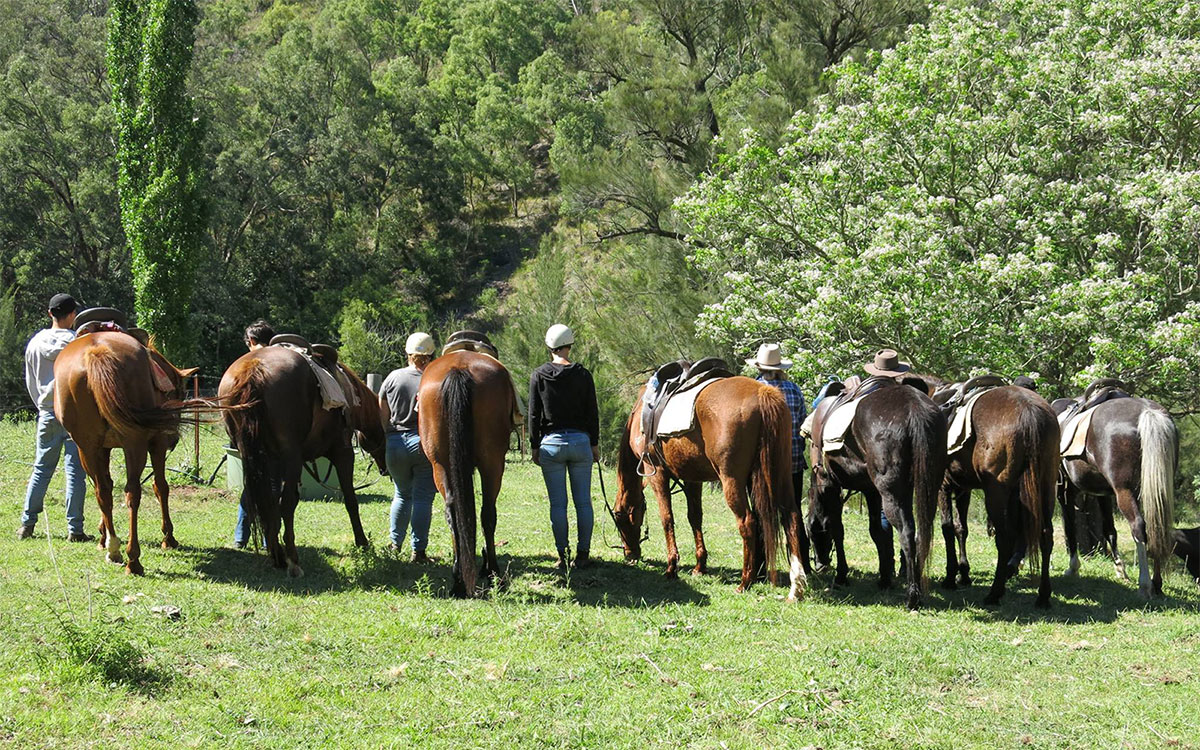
column 564, row 454
column 52, row 438
column 413, row 500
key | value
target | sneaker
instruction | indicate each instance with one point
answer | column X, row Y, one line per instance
column 81, row 537
column 562, row 561
column 582, row 560
column 24, row 532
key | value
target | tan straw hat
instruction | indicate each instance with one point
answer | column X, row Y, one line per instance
column 887, row 363
column 768, row 358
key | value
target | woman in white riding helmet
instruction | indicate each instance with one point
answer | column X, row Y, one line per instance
column 406, row 462
column 564, row 435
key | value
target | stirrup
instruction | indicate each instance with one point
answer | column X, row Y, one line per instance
column 643, row 460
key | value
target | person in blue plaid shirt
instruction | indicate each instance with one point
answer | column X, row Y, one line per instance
column 771, row 366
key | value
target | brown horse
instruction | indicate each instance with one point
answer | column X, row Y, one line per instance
column 894, row 454
column 281, row 424
column 743, row 440
column 1012, row 456
column 112, row 392
column 466, row 405
column 1131, row 452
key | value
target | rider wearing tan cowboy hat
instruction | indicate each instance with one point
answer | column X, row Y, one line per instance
column 887, row 364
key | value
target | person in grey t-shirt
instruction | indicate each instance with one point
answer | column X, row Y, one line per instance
column 406, row 462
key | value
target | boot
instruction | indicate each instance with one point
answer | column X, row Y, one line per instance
column 563, row 555
column 582, row 560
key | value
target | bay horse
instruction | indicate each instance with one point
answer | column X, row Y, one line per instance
column 465, row 407
column 894, row 454
column 278, row 422
column 111, row 391
column 743, row 440
column 1012, row 455
column 1131, row 451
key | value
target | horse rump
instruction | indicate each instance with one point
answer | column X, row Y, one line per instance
column 246, row 420
column 110, row 390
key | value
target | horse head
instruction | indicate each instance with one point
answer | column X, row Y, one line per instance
column 629, row 507
column 367, row 427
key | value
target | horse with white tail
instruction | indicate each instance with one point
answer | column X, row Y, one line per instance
column 1130, row 452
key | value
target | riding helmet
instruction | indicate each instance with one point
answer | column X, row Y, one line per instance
column 558, row 336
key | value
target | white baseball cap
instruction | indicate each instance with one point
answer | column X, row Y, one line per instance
column 419, row 343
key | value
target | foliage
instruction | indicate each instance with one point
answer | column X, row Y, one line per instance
column 1013, row 188
column 159, row 174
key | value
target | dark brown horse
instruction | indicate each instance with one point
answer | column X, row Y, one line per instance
column 744, row 441
column 466, row 405
column 281, row 424
column 1012, row 455
column 110, row 391
column 894, row 454
column 1131, row 451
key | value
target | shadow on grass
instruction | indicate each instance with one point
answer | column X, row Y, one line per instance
column 602, row 584
column 1073, row 599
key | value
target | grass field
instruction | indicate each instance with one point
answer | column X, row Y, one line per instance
column 367, row 650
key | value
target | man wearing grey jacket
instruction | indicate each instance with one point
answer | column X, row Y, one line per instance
column 52, row 439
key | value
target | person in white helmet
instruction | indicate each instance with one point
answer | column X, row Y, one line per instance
column 406, row 462
column 564, row 437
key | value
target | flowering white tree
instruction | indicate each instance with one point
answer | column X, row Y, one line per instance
column 1015, row 188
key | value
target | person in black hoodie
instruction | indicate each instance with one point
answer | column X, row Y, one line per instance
column 564, row 437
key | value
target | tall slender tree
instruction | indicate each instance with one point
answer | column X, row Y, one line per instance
column 158, row 160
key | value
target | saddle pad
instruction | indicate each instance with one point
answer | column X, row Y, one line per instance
column 679, row 415
column 1074, row 434
column 833, row 434
column 333, row 396
column 960, row 430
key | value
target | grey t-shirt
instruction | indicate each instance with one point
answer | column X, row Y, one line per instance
column 400, row 390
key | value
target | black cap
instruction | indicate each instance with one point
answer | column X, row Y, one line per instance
column 62, row 304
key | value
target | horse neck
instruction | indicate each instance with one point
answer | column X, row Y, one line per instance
column 366, row 413
column 629, row 482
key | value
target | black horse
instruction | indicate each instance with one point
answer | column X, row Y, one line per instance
column 1012, row 455
column 894, row 453
column 1130, row 453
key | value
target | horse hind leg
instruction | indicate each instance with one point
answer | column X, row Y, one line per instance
column 95, row 462
column 946, row 510
column 735, row 498
column 135, row 462
column 1108, row 534
column 1068, row 495
column 693, row 492
column 158, row 459
column 962, row 505
column 343, row 463
column 489, row 481
column 1137, row 526
column 1002, row 506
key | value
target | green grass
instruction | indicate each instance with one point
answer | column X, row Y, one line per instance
column 367, row 650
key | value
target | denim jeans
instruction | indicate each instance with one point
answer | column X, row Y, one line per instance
column 413, row 476
column 247, row 512
column 52, row 438
column 568, row 454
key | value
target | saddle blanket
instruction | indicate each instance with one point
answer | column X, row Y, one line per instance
column 679, row 415
column 333, row 390
column 960, row 430
column 833, row 434
column 1074, row 434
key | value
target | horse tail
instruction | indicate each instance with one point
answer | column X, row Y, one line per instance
column 927, row 437
column 1160, row 443
column 1035, row 431
column 105, row 381
column 246, row 423
column 457, row 392
column 771, row 481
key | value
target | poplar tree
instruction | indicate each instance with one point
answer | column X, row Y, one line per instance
column 158, row 153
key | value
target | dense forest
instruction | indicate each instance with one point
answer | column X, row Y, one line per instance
column 1009, row 186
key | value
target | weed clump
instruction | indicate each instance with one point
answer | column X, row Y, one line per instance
column 100, row 650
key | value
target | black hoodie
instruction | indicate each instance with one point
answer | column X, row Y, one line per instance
column 562, row 397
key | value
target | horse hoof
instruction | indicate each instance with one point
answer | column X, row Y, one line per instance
column 699, row 571
column 671, row 575
column 1042, row 603
column 170, row 543
column 115, row 558
column 914, row 602
column 1146, row 592
column 134, row 568
column 964, row 580
column 949, row 584
column 295, row 571
column 839, row 581
column 991, row 600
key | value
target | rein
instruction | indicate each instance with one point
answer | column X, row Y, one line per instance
column 613, row 516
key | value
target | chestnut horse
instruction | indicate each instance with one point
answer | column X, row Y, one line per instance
column 1131, row 452
column 894, row 454
column 743, row 439
column 465, row 406
column 1012, row 455
column 281, row 424
column 110, row 391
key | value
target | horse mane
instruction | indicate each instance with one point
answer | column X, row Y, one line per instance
column 629, row 483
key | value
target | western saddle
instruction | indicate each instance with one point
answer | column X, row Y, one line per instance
column 672, row 378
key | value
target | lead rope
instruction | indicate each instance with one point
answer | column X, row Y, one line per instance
column 613, row 516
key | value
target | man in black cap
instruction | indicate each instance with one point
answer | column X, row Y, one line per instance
column 40, row 354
